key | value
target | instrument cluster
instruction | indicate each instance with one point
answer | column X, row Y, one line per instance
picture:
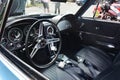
column 15, row 37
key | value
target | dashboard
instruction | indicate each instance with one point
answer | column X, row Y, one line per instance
column 16, row 31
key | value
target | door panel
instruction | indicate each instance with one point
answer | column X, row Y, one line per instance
column 100, row 33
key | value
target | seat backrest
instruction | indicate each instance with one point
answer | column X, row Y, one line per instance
column 95, row 56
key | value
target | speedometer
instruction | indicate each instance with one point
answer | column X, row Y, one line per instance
column 15, row 35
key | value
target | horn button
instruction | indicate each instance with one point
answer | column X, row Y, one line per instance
column 42, row 42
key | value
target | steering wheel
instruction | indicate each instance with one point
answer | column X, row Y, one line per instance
column 46, row 45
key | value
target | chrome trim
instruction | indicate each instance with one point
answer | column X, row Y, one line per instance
column 97, row 35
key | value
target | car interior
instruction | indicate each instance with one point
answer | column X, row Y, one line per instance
column 66, row 47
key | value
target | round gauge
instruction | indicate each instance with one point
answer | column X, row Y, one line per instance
column 15, row 35
column 26, row 30
column 50, row 30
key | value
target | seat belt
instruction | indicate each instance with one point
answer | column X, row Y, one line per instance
column 87, row 64
column 72, row 68
column 84, row 75
column 91, row 68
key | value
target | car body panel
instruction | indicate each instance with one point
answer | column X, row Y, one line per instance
column 3, row 74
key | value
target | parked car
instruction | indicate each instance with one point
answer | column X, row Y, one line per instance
column 68, row 46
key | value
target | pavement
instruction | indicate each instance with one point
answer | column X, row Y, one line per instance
column 65, row 8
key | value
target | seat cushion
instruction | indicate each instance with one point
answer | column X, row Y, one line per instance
column 98, row 58
column 55, row 73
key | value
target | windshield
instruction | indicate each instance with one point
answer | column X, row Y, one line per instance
column 2, row 10
column 49, row 7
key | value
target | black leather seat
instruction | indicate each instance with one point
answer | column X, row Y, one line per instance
column 55, row 73
column 98, row 58
column 109, row 70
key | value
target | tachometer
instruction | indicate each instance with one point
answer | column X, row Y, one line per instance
column 15, row 35
column 50, row 30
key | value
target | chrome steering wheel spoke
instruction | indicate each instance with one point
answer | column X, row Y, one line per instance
column 40, row 34
column 53, row 40
column 35, row 49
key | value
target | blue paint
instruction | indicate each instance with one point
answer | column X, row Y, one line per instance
column 5, row 73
